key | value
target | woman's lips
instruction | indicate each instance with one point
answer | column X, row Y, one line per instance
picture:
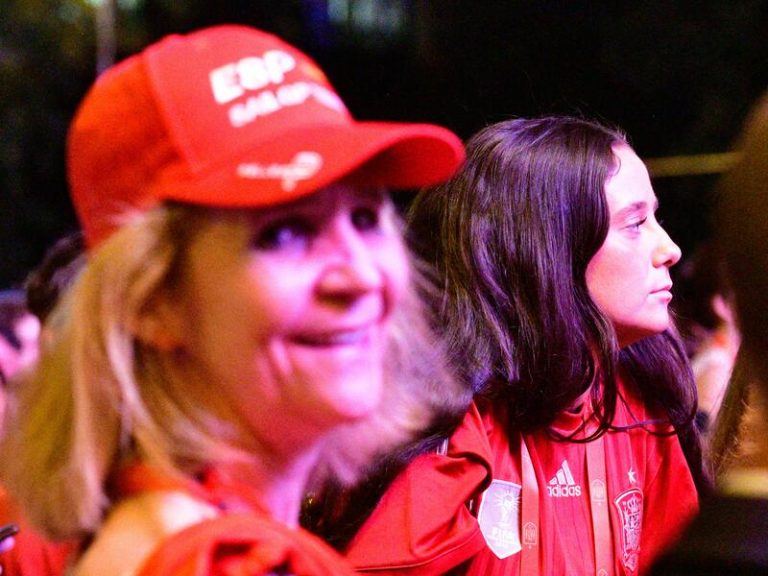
column 342, row 337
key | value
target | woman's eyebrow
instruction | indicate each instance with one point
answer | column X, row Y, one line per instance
column 636, row 207
column 631, row 209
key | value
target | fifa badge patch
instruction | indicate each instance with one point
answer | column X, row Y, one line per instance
column 630, row 507
column 499, row 517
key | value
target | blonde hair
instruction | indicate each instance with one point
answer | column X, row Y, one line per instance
column 100, row 396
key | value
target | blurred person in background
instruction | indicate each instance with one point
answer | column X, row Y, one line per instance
column 19, row 332
column 18, row 348
column 705, row 315
column 29, row 553
column 730, row 535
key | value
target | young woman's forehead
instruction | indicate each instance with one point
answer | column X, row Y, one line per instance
column 630, row 185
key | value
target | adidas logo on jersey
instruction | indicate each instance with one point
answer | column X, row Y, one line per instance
column 563, row 485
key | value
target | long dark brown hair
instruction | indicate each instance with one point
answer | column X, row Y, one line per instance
column 510, row 238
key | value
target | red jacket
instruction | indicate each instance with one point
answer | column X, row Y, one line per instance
column 245, row 542
column 243, row 545
column 427, row 523
column 32, row 554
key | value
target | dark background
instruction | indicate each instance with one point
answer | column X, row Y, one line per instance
column 678, row 76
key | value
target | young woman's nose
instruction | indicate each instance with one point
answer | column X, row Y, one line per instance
column 667, row 252
column 352, row 268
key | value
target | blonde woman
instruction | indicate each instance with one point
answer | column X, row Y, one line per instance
column 246, row 324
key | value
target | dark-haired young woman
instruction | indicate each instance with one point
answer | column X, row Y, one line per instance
column 579, row 454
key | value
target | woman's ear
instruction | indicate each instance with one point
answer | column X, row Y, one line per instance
column 160, row 324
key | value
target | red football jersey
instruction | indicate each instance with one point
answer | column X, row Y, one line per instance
column 427, row 521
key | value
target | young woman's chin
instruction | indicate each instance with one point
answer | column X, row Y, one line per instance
column 628, row 335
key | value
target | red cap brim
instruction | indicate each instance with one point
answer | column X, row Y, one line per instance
column 390, row 155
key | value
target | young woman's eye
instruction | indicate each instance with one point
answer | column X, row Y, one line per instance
column 365, row 219
column 284, row 234
column 637, row 224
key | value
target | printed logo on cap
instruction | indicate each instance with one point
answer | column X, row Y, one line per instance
column 262, row 78
column 302, row 167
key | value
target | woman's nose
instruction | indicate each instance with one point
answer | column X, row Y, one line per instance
column 667, row 252
column 351, row 268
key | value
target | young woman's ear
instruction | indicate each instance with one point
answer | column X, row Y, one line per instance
column 160, row 324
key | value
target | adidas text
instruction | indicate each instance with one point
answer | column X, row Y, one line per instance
column 564, row 491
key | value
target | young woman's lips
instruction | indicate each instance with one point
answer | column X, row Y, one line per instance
column 665, row 291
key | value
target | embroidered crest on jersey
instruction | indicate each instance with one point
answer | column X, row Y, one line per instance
column 563, row 485
column 598, row 492
column 499, row 517
column 630, row 507
column 530, row 535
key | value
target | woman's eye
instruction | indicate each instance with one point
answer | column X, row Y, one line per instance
column 636, row 225
column 290, row 233
column 365, row 219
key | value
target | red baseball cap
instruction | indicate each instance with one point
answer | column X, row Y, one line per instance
column 231, row 116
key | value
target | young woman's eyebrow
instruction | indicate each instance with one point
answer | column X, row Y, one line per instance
column 636, row 207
